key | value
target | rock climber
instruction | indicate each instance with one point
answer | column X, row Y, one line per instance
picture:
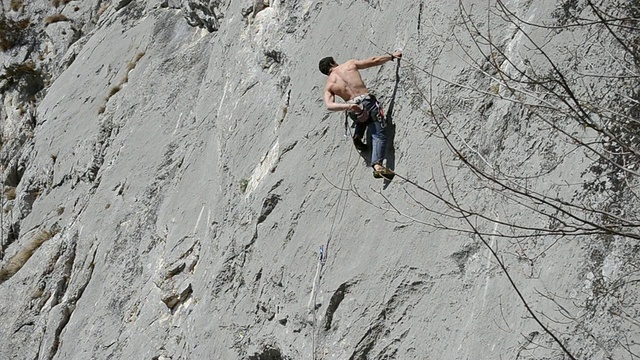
column 345, row 81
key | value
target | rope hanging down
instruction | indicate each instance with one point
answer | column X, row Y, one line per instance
column 322, row 258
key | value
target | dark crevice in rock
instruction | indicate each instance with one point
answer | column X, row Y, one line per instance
column 202, row 14
column 226, row 275
column 254, row 8
column 69, row 258
column 166, row 171
column 28, row 323
column 63, row 180
column 268, row 205
column 14, row 174
column 60, row 316
column 13, row 233
column 231, row 267
column 74, row 298
column 272, row 57
column 26, row 201
column 420, row 9
column 391, row 351
column 334, row 303
column 395, row 307
column 24, row 78
column 283, row 85
column 175, row 270
column 276, row 185
column 395, row 310
column 263, row 308
column 288, row 148
column 247, row 247
column 462, row 256
column 269, row 353
column 92, row 169
column 186, row 262
column 122, row 3
column 367, row 343
column 292, row 231
column 130, row 13
column 291, row 24
column 175, row 298
column 66, row 293
column 249, row 87
column 31, row 120
column 171, row 4
column 108, row 130
column 373, row 3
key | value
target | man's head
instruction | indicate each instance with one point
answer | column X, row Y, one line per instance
column 326, row 64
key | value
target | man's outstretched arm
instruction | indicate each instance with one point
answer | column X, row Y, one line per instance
column 377, row 60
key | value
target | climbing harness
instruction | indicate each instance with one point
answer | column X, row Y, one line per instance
column 365, row 116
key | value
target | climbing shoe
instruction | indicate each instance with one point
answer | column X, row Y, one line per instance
column 383, row 173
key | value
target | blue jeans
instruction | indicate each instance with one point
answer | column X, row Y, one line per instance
column 377, row 128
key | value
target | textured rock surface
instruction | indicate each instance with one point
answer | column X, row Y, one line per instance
column 170, row 174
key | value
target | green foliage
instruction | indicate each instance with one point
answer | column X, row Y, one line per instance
column 12, row 32
column 243, row 185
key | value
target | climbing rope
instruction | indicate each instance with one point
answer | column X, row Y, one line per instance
column 323, row 255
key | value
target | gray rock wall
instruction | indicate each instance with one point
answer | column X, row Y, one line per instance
column 175, row 189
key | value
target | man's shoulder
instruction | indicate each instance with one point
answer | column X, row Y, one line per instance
column 349, row 63
column 330, row 83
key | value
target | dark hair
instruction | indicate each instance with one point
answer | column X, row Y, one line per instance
column 326, row 64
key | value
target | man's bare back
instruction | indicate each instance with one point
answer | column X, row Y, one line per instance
column 345, row 81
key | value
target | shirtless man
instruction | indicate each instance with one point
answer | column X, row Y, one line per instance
column 345, row 81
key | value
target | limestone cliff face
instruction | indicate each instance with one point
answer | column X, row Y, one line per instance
column 175, row 189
